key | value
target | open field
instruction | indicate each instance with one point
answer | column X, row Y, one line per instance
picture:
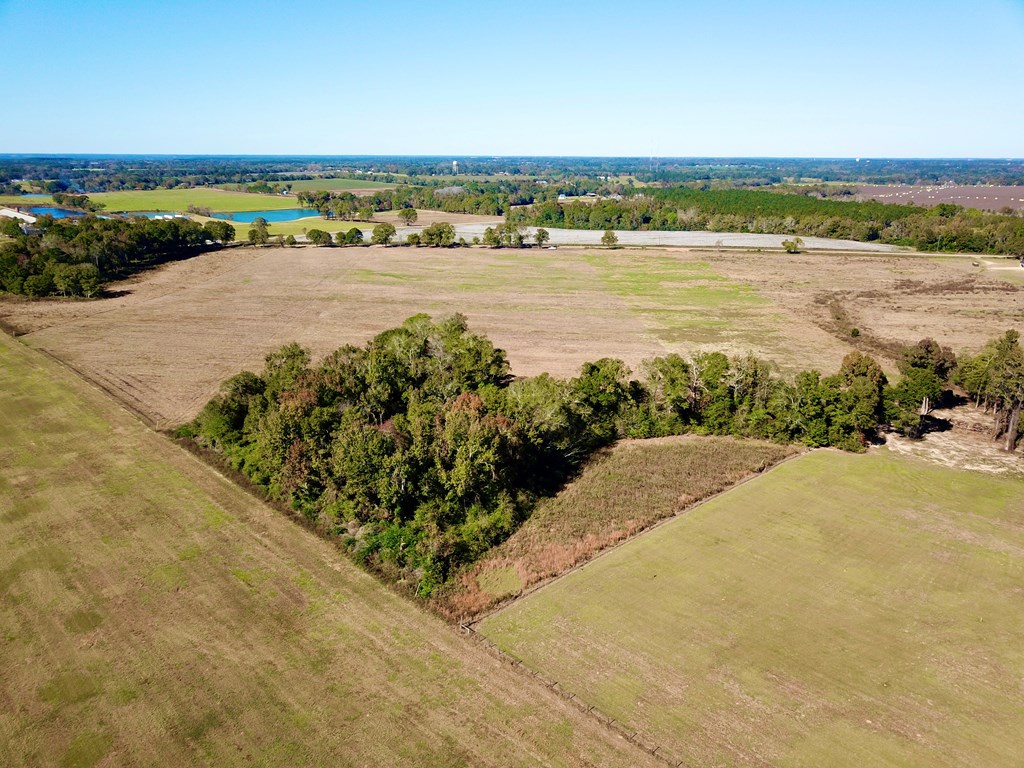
column 426, row 218
column 354, row 186
column 990, row 198
column 154, row 614
column 172, row 335
column 217, row 200
column 623, row 490
column 874, row 623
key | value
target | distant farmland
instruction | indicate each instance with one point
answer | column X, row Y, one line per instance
column 336, row 185
column 179, row 200
column 839, row 610
column 153, row 613
column 983, row 197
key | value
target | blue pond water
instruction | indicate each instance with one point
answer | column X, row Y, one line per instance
column 57, row 213
column 290, row 214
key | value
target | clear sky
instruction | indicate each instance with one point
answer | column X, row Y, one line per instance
column 832, row 78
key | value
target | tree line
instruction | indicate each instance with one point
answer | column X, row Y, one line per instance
column 74, row 257
column 420, row 451
column 944, row 227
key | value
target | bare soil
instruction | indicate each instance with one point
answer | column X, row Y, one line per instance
column 966, row 444
column 990, row 198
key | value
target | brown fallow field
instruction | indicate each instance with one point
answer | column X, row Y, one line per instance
column 167, row 338
column 986, row 198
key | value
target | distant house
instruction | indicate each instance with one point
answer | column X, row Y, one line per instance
column 10, row 213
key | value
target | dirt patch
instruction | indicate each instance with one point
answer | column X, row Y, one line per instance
column 966, row 444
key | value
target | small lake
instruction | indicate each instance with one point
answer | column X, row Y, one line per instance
column 289, row 214
column 57, row 213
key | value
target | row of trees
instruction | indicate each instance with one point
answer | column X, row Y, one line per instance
column 943, row 227
column 940, row 228
column 421, row 451
column 74, row 257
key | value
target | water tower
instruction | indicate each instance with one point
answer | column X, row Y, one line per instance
column 455, row 167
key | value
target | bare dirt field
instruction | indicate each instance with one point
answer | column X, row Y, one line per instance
column 152, row 613
column 170, row 336
column 987, row 198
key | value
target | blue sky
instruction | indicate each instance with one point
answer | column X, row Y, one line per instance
column 837, row 78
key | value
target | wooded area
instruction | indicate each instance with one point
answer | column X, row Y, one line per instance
column 421, row 451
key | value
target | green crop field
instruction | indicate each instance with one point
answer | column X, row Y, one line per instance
column 153, row 613
column 217, row 200
column 297, row 227
column 839, row 610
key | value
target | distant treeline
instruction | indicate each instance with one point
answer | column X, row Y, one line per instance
column 943, row 227
column 74, row 257
column 112, row 173
column 421, row 451
column 488, row 198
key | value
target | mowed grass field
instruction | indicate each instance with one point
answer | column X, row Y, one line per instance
column 151, row 613
column 217, row 200
column 297, row 227
column 839, row 610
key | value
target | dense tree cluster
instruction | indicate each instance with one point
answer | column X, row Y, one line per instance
column 943, row 227
column 420, row 450
column 994, row 378
column 74, row 257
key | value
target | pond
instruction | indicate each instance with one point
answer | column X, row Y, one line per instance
column 57, row 213
column 289, row 214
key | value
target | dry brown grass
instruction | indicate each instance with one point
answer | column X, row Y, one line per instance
column 166, row 342
column 622, row 491
column 425, row 218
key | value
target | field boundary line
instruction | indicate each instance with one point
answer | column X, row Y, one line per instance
column 508, row 602
column 626, row 732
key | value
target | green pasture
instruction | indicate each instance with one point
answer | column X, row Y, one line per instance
column 840, row 610
column 218, row 201
column 684, row 300
column 297, row 227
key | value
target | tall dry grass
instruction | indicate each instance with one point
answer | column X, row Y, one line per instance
column 622, row 491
